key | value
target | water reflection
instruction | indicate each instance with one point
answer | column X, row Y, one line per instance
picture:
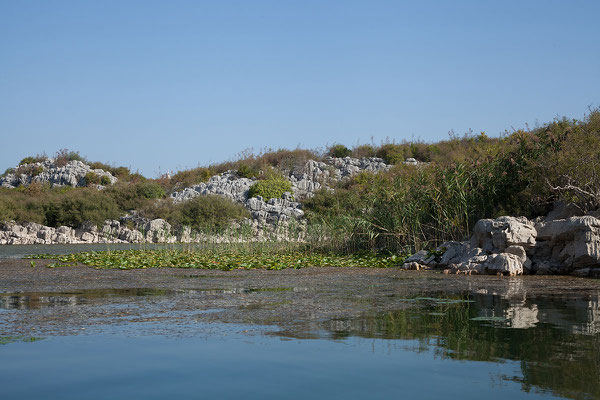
column 555, row 339
column 34, row 301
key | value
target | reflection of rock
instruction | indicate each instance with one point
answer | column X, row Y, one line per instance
column 31, row 302
column 522, row 317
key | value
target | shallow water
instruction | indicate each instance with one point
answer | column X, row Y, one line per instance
column 452, row 345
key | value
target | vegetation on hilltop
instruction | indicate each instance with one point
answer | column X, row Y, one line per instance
column 406, row 208
column 475, row 177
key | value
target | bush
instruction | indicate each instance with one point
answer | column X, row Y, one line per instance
column 91, row 178
column 29, row 169
column 150, row 190
column 105, row 180
column 271, row 188
column 80, row 206
column 570, row 170
column 394, row 153
column 121, row 173
column 190, row 177
column 57, row 206
column 202, row 213
column 9, row 171
column 339, row 151
column 364, row 150
column 32, row 160
column 63, row 157
column 245, row 171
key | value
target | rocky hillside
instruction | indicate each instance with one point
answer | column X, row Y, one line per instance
column 305, row 181
column 271, row 219
column 73, row 173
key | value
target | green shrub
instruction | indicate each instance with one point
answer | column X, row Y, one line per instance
column 8, row 171
column 394, row 153
column 31, row 160
column 150, row 190
column 80, row 206
column 29, row 169
column 202, row 213
column 121, row 173
column 190, row 177
column 105, row 180
column 272, row 188
column 91, row 178
column 339, row 151
column 364, row 150
column 57, row 206
column 246, row 171
column 63, row 157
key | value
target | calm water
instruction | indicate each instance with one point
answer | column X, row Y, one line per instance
column 469, row 345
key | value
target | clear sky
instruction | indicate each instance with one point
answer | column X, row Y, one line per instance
column 167, row 85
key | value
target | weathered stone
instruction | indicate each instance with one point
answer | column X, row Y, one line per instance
column 504, row 263
column 496, row 235
column 47, row 172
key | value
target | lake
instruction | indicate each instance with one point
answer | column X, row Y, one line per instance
column 76, row 332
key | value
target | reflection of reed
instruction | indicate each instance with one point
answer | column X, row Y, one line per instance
column 557, row 341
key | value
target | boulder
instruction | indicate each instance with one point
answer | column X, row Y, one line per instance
column 496, row 235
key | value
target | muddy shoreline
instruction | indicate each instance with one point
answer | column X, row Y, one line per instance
column 73, row 299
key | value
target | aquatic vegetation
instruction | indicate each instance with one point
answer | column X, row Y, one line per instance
column 220, row 259
column 24, row 339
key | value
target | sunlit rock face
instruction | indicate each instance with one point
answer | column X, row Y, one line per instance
column 515, row 246
column 305, row 181
column 47, row 172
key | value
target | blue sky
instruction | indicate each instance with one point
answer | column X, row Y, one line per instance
column 168, row 85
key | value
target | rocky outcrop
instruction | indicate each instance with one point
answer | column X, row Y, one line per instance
column 305, row 180
column 315, row 175
column 274, row 211
column 570, row 245
column 227, row 184
column 516, row 246
column 47, row 172
column 133, row 229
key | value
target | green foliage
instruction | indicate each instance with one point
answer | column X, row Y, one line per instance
column 271, row 188
column 568, row 168
column 80, row 206
column 63, row 157
column 221, row 260
column 105, row 180
column 190, row 177
column 202, row 213
column 29, row 169
column 32, row 160
column 121, row 173
column 339, row 151
column 246, row 171
column 364, row 150
column 409, row 208
column 55, row 207
column 150, row 190
column 393, row 153
column 91, row 178
column 8, row 171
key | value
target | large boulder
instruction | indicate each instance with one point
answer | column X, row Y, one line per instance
column 495, row 235
column 567, row 245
